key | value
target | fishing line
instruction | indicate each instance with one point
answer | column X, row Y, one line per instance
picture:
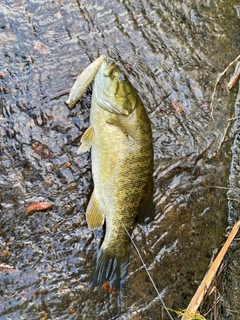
column 144, row 265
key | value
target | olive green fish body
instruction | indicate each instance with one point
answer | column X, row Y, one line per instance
column 122, row 165
column 122, row 168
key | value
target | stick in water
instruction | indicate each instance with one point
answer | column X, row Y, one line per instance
column 205, row 284
column 215, row 87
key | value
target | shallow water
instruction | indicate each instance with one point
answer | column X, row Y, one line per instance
column 172, row 53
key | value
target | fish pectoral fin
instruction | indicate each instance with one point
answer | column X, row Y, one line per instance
column 123, row 124
column 146, row 210
column 95, row 217
column 87, row 140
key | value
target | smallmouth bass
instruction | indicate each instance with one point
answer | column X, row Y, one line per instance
column 120, row 139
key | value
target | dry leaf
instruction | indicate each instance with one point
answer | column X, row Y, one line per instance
column 6, row 268
column 107, row 287
column 5, row 253
column 177, row 107
column 41, row 48
column 38, row 206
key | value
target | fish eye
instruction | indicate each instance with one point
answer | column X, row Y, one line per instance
column 121, row 77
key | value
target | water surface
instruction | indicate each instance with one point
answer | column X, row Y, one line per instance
column 172, row 53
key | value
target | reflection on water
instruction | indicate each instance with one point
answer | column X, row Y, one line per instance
column 172, row 52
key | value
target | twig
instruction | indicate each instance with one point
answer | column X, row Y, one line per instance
column 237, row 200
column 235, row 77
column 225, row 188
column 234, row 118
column 215, row 87
column 232, row 311
column 223, row 138
column 144, row 265
column 198, row 297
column 7, row 268
column 231, row 83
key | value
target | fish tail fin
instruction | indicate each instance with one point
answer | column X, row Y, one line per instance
column 110, row 268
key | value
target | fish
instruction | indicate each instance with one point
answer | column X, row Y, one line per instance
column 120, row 139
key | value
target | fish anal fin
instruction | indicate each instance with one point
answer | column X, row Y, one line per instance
column 94, row 215
column 87, row 140
column 123, row 123
column 146, row 210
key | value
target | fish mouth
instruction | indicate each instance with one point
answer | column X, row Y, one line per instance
column 109, row 69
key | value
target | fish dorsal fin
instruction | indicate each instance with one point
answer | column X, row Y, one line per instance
column 123, row 123
column 95, row 217
column 87, row 140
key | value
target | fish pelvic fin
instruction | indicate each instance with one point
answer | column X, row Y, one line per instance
column 94, row 215
column 110, row 268
column 87, row 140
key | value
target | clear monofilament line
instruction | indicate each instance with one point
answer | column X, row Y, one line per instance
column 144, row 265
